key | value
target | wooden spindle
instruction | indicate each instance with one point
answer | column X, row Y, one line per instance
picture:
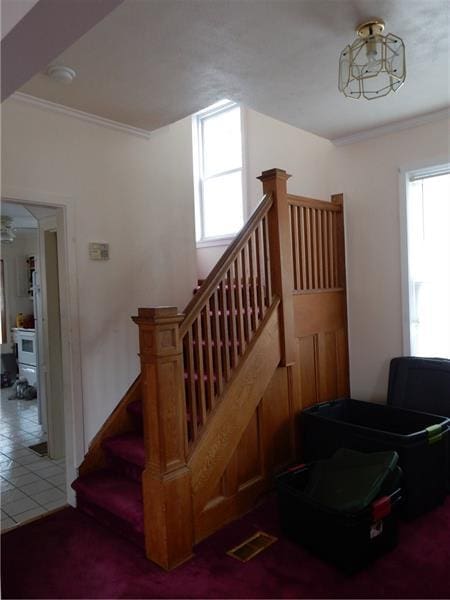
column 253, row 271
column 325, row 250
column 231, row 300
column 267, row 263
column 225, row 337
column 296, row 246
column 246, row 295
column 208, row 356
column 200, row 371
column 260, row 270
column 217, row 344
column 240, row 306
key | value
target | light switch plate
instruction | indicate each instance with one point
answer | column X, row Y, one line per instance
column 98, row 251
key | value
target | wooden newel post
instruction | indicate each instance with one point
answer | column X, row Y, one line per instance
column 281, row 263
column 166, row 479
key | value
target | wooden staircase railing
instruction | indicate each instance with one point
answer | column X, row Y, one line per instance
column 223, row 317
column 221, row 384
column 189, row 362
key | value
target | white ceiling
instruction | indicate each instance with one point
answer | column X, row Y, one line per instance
column 151, row 62
column 22, row 218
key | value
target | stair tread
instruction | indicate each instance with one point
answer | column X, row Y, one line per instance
column 127, row 446
column 115, row 494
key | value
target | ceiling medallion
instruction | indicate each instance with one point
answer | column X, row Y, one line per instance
column 374, row 64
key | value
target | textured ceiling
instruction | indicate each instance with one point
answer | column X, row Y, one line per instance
column 151, row 62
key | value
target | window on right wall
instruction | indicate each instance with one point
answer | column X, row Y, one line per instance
column 428, row 262
column 218, row 167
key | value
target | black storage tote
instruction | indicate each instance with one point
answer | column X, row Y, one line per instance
column 348, row 538
column 420, row 384
column 419, row 439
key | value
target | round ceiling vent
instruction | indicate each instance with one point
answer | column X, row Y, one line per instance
column 61, row 74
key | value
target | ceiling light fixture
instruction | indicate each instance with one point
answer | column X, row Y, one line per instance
column 374, row 64
column 61, row 74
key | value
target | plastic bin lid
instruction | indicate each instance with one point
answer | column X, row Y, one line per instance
column 350, row 480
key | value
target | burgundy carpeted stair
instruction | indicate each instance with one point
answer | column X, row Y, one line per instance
column 113, row 496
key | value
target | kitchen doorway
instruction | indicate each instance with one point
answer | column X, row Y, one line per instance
column 33, row 442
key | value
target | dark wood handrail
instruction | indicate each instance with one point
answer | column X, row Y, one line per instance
column 313, row 203
column 214, row 278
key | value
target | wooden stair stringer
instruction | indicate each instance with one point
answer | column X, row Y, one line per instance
column 237, row 406
column 118, row 422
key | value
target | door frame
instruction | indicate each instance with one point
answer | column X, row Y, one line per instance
column 70, row 323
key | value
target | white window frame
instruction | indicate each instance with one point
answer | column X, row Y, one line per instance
column 220, row 107
column 408, row 175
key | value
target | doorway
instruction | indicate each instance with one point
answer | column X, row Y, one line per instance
column 427, row 326
column 32, row 434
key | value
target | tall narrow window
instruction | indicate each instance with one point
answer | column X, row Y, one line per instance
column 218, row 154
column 428, row 218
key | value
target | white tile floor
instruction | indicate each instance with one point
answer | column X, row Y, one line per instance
column 30, row 484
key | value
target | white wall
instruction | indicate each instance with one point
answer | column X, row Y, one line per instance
column 268, row 144
column 135, row 194
column 14, row 259
column 368, row 175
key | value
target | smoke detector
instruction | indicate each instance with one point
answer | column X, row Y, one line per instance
column 61, row 74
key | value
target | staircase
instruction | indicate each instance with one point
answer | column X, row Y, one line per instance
column 198, row 436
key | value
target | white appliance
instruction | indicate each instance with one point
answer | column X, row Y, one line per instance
column 27, row 354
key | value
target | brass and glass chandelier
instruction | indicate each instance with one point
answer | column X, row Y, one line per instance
column 374, row 64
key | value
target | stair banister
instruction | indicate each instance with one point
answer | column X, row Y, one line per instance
column 216, row 275
column 166, row 483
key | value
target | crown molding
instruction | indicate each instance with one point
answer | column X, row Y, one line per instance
column 79, row 114
column 368, row 134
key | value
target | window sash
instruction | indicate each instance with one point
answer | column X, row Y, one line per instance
column 202, row 178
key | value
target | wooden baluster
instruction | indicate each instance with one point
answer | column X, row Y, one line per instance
column 336, row 250
column 191, row 383
column 295, row 246
column 274, row 182
column 303, row 248
column 198, row 354
column 240, row 306
column 246, row 295
column 217, row 344
column 308, row 248
column 268, row 275
column 231, row 301
column 320, row 249
column 224, row 330
column 315, row 257
column 260, row 270
column 166, row 480
column 209, row 365
column 332, row 261
column 325, row 249
column 253, row 271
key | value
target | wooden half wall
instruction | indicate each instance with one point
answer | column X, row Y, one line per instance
column 313, row 355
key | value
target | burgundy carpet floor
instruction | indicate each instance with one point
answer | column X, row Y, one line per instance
column 68, row 555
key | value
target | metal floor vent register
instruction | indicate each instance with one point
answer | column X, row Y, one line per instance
column 40, row 448
column 253, row 546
